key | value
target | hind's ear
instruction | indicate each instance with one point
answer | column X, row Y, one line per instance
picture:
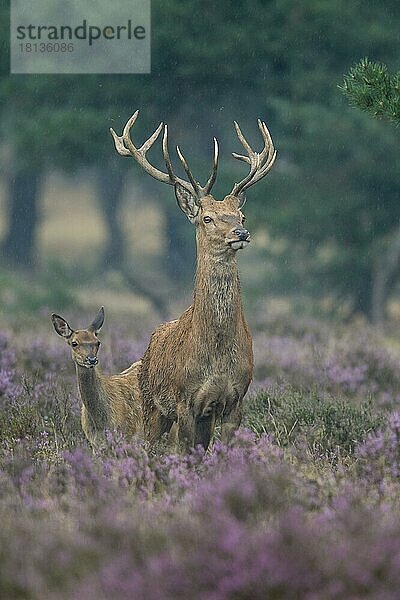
column 61, row 326
column 97, row 323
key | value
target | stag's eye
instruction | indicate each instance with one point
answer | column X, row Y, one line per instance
column 74, row 344
column 207, row 219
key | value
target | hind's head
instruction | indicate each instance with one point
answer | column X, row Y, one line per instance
column 84, row 343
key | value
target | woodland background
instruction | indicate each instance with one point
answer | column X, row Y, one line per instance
column 76, row 217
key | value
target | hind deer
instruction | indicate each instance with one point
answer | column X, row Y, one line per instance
column 198, row 368
column 108, row 401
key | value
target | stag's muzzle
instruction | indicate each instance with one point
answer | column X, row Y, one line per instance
column 241, row 239
column 242, row 234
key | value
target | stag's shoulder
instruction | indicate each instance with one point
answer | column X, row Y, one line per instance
column 172, row 330
column 165, row 328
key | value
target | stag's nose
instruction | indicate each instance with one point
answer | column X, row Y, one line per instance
column 242, row 234
column 92, row 360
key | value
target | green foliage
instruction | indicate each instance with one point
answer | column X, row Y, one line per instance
column 41, row 409
column 370, row 87
column 19, row 421
column 35, row 292
column 326, row 425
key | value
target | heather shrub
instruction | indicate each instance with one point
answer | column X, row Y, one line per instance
column 19, row 420
column 378, row 457
column 355, row 364
column 41, row 355
column 292, row 326
column 240, row 521
column 42, row 406
column 304, row 503
column 380, row 365
column 323, row 423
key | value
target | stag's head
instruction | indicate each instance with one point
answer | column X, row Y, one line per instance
column 219, row 223
column 83, row 342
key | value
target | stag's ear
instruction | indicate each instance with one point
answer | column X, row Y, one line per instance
column 97, row 324
column 61, row 326
column 187, row 202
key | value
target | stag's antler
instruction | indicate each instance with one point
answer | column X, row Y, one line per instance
column 260, row 163
column 126, row 147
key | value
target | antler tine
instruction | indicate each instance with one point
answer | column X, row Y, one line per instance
column 211, row 180
column 125, row 146
column 260, row 163
column 268, row 143
column 201, row 190
column 119, row 141
column 129, row 124
column 119, row 144
column 243, row 140
column 196, row 186
column 167, row 158
column 148, row 144
column 268, row 152
column 264, row 170
column 241, row 157
column 241, row 186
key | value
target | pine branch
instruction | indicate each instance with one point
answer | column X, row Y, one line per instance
column 370, row 87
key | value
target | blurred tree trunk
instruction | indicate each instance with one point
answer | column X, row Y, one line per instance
column 384, row 278
column 180, row 254
column 179, row 259
column 363, row 298
column 110, row 186
column 19, row 246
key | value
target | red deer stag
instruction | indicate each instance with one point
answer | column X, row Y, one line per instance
column 197, row 369
column 108, row 401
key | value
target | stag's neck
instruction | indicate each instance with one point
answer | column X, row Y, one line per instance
column 217, row 304
column 93, row 396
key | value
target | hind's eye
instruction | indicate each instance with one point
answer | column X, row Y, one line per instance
column 207, row 219
column 74, row 344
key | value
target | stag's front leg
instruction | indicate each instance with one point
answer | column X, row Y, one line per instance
column 231, row 421
column 186, row 428
column 205, row 426
column 156, row 425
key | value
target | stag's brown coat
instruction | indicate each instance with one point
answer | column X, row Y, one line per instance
column 198, row 368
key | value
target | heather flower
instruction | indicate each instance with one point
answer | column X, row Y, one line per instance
column 379, row 454
column 9, row 389
column 8, row 355
column 355, row 364
column 285, row 510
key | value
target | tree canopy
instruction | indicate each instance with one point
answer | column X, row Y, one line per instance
column 370, row 87
column 333, row 195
